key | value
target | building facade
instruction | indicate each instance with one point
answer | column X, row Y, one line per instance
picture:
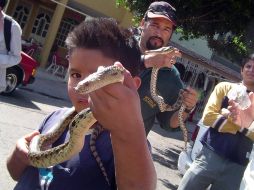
column 46, row 23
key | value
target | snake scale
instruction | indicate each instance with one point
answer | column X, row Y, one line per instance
column 40, row 155
column 160, row 100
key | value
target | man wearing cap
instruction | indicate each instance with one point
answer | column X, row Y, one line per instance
column 157, row 27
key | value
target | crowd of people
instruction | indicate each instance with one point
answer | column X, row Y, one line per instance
column 122, row 144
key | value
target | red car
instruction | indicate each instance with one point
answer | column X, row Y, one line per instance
column 21, row 74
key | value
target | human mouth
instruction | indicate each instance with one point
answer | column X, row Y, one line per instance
column 154, row 43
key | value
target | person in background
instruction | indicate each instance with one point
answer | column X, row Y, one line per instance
column 227, row 143
column 247, row 115
column 157, row 27
column 8, row 58
column 122, row 145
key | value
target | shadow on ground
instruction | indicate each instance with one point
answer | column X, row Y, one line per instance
column 167, row 157
column 25, row 97
column 174, row 133
column 168, row 185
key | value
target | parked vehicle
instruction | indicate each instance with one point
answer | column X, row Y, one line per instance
column 194, row 146
column 21, row 74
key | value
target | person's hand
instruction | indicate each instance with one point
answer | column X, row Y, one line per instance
column 22, row 145
column 190, row 98
column 117, row 106
column 162, row 59
column 242, row 118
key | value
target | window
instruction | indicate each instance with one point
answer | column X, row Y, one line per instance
column 66, row 26
column 21, row 14
column 41, row 25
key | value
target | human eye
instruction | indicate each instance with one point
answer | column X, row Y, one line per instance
column 75, row 75
column 168, row 30
column 247, row 66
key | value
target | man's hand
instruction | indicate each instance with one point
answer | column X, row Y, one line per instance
column 18, row 160
column 117, row 106
column 22, row 145
column 242, row 118
column 190, row 98
column 163, row 59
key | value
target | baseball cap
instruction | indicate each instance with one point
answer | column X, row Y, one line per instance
column 162, row 9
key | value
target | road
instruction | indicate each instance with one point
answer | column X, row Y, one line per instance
column 22, row 113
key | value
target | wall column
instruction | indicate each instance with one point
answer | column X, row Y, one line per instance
column 29, row 26
column 52, row 32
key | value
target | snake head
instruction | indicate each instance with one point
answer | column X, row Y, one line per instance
column 104, row 76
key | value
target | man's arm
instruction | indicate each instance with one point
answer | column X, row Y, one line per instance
column 18, row 160
column 119, row 112
column 190, row 98
column 14, row 56
column 243, row 118
column 214, row 115
column 161, row 59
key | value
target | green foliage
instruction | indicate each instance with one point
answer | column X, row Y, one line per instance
column 207, row 18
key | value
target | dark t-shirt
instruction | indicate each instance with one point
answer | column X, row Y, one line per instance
column 80, row 172
column 168, row 86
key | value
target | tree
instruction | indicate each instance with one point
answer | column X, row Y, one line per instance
column 232, row 20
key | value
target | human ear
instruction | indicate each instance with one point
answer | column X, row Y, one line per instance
column 137, row 81
column 142, row 23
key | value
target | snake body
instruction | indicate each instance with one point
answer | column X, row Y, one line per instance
column 78, row 124
column 160, row 100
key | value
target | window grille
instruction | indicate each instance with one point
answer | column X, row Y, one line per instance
column 21, row 14
column 65, row 27
column 41, row 25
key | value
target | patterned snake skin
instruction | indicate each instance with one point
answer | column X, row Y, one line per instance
column 78, row 124
column 160, row 101
column 42, row 156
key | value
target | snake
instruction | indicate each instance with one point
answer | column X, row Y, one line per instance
column 160, row 100
column 41, row 156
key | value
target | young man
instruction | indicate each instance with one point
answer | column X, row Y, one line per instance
column 157, row 27
column 12, row 57
column 228, row 141
column 122, row 146
column 245, row 119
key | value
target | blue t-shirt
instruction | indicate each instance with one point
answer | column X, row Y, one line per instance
column 80, row 172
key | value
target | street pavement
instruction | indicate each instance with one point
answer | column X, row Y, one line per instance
column 166, row 146
column 49, row 85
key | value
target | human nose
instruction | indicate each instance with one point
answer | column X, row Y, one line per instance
column 158, row 32
column 252, row 68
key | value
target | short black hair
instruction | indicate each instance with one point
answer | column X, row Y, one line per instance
column 3, row 3
column 105, row 34
column 247, row 59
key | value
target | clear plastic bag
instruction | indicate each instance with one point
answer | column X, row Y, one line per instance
column 240, row 95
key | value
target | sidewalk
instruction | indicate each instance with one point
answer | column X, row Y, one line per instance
column 49, row 85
